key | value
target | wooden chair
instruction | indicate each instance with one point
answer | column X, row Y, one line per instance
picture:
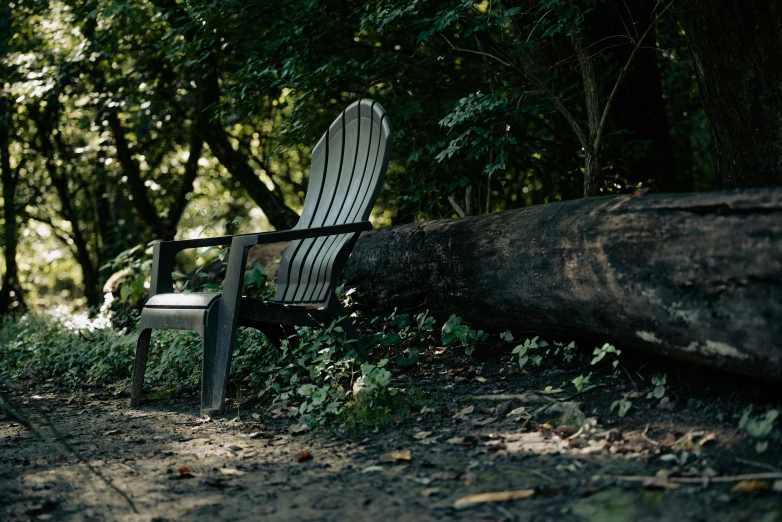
column 348, row 167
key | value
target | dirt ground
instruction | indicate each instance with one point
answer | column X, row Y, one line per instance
column 488, row 430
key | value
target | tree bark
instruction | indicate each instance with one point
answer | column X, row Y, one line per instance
column 592, row 175
column 11, row 291
column 737, row 51
column 695, row 277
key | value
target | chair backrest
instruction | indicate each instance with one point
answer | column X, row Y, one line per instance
column 348, row 167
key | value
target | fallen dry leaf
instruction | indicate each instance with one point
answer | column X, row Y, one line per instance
column 711, row 437
column 184, row 473
column 112, row 432
column 298, row 429
column 231, row 472
column 576, row 443
column 747, row 487
column 304, row 456
column 484, row 422
column 518, row 411
column 464, row 411
column 422, row 435
column 428, row 492
column 396, row 456
column 257, row 431
column 496, row 496
column 565, row 430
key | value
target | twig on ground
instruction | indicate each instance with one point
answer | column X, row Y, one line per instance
column 632, row 381
column 696, row 480
column 761, row 465
column 547, row 406
column 18, row 417
column 647, row 439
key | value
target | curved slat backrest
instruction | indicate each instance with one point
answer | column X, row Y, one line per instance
column 348, row 167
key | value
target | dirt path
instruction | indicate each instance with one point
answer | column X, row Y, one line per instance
column 163, row 462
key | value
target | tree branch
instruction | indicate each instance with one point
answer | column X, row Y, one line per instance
column 622, row 74
column 147, row 210
column 553, row 98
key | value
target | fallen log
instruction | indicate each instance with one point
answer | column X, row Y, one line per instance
column 691, row 276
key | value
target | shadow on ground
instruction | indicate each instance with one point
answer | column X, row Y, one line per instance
column 490, row 430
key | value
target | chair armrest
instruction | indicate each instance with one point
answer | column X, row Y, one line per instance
column 248, row 240
column 163, row 252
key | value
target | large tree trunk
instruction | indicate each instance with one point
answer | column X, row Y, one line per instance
column 737, row 51
column 696, row 276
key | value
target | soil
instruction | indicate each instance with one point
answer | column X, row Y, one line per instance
column 567, row 454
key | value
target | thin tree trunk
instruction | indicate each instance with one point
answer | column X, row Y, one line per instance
column 238, row 164
column 737, row 51
column 177, row 208
column 130, row 167
column 592, row 174
column 69, row 211
column 11, row 292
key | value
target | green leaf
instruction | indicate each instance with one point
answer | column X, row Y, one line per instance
column 624, row 406
column 390, row 339
column 451, row 329
column 411, row 358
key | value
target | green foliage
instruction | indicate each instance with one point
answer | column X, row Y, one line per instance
column 454, row 330
column 582, row 382
column 524, row 354
column 312, row 378
column 623, row 405
column 454, row 76
column 658, row 381
column 600, row 353
column 759, row 426
column 40, row 347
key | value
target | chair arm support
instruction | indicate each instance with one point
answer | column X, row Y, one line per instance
column 163, row 252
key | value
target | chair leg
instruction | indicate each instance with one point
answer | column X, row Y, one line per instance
column 140, row 366
column 275, row 333
column 213, row 374
column 352, row 334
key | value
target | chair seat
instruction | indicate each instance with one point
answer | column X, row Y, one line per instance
column 182, row 300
